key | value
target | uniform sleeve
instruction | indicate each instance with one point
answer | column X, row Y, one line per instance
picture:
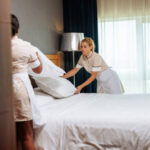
column 33, row 59
column 97, row 62
column 79, row 64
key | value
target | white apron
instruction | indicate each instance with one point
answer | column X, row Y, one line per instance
column 36, row 114
column 109, row 82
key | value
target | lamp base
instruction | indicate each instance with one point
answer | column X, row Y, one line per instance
column 70, row 60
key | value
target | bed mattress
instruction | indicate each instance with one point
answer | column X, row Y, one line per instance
column 94, row 122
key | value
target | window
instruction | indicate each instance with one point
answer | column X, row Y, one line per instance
column 125, row 46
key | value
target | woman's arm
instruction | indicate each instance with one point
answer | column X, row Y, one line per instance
column 71, row 73
column 39, row 68
column 87, row 82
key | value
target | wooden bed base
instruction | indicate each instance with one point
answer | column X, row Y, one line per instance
column 54, row 58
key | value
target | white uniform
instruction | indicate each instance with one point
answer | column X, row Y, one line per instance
column 23, row 57
column 107, row 79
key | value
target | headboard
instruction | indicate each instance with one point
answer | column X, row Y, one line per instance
column 55, row 59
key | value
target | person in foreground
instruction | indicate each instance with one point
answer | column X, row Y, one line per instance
column 107, row 79
column 23, row 57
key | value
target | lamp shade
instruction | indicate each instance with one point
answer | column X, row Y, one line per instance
column 71, row 41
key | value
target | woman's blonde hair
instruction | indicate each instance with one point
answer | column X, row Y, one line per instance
column 90, row 42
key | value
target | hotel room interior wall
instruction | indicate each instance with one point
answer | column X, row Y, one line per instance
column 41, row 22
column 7, row 125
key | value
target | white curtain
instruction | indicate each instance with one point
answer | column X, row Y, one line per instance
column 124, row 41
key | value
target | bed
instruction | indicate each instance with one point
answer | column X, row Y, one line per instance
column 94, row 122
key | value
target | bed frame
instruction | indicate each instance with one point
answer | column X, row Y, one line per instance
column 54, row 58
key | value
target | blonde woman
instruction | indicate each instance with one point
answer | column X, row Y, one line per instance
column 107, row 79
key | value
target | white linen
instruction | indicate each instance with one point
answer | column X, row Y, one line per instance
column 55, row 86
column 94, row 122
column 49, row 68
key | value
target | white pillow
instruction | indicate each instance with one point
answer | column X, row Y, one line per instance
column 55, row 86
column 48, row 67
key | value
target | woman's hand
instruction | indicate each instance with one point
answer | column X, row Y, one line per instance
column 78, row 89
column 87, row 82
column 39, row 68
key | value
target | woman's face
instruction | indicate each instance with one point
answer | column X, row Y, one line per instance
column 85, row 48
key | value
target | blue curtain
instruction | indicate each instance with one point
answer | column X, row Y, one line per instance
column 81, row 16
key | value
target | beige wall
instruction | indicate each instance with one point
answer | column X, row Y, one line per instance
column 41, row 22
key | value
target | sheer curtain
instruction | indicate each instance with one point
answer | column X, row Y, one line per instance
column 124, row 41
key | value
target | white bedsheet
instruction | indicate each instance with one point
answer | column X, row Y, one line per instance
column 94, row 122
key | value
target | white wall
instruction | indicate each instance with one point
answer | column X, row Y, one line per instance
column 41, row 22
